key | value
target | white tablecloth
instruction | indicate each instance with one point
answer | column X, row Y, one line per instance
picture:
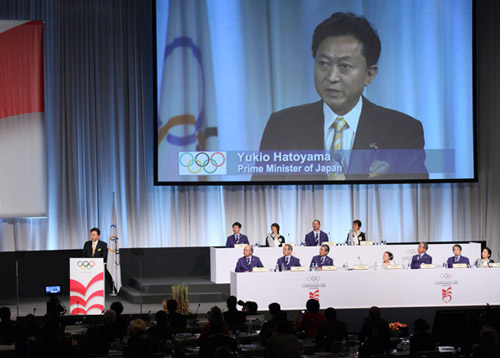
column 223, row 260
column 362, row 289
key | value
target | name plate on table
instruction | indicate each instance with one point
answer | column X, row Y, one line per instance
column 427, row 266
column 329, row 268
column 395, row 267
column 259, row 269
column 366, row 243
column 330, row 243
column 495, row 265
column 239, row 246
column 361, row 267
column 297, row 268
column 459, row 266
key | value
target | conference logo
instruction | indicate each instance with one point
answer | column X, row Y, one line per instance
column 313, row 278
column 85, row 265
column 202, row 163
column 314, row 295
column 446, row 295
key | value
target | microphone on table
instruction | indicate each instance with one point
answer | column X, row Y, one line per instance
column 360, row 260
column 195, row 322
column 289, row 238
column 34, row 310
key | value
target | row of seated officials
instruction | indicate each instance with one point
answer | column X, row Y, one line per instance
column 279, row 335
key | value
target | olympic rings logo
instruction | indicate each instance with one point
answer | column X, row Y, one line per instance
column 85, row 264
column 313, row 278
column 447, row 276
column 202, row 160
column 411, row 252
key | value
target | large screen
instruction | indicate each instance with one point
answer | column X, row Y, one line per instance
column 319, row 91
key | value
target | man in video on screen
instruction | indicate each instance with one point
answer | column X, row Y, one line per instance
column 365, row 141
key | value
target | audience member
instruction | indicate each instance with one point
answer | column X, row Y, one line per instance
column 488, row 344
column 52, row 344
column 176, row 320
column 250, row 308
column 282, row 344
column 139, row 343
column 8, row 330
column 92, row 344
column 109, row 331
column 367, row 329
column 29, row 333
column 269, row 327
column 215, row 325
column 421, row 340
column 331, row 330
column 377, row 343
column 233, row 316
column 309, row 322
column 120, row 322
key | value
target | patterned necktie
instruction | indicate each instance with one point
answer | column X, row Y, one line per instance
column 456, row 258
column 248, row 261
column 322, row 260
column 287, row 260
column 317, row 238
column 94, row 244
column 237, row 238
column 337, row 145
column 418, row 258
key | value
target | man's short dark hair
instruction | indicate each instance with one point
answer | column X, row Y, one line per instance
column 117, row 307
column 312, row 306
column 5, row 314
column 172, row 305
column 327, row 248
column 374, row 313
column 96, row 230
column 237, row 224
column 274, row 308
column 457, row 245
column 319, row 223
column 231, row 302
column 161, row 318
column 290, row 247
column 426, row 245
column 348, row 23
column 330, row 313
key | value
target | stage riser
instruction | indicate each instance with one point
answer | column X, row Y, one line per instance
column 159, row 288
column 133, row 295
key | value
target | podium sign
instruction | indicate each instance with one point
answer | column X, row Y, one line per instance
column 86, row 285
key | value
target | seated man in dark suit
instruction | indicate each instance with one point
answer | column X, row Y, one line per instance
column 421, row 257
column 316, row 237
column 268, row 327
column 248, row 261
column 421, row 340
column 176, row 320
column 8, row 328
column 457, row 257
column 237, row 237
column 331, row 330
column 322, row 259
column 95, row 247
column 365, row 141
column 232, row 316
column 287, row 261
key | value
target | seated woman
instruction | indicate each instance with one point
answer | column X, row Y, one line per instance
column 386, row 259
column 355, row 236
column 485, row 258
column 274, row 239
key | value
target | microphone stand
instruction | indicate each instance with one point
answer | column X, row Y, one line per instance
column 195, row 322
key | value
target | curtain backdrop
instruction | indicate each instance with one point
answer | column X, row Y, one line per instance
column 99, row 123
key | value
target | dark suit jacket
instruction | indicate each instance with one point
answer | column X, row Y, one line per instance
column 311, row 241
column 293, row 262
column 462, row 260
column 317, row 260
column 101, row 250
column 425, row 259
column 242, row 265
column 382, row 134
column 231, row 240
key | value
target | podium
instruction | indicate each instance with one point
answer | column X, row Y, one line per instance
column 86, row 286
